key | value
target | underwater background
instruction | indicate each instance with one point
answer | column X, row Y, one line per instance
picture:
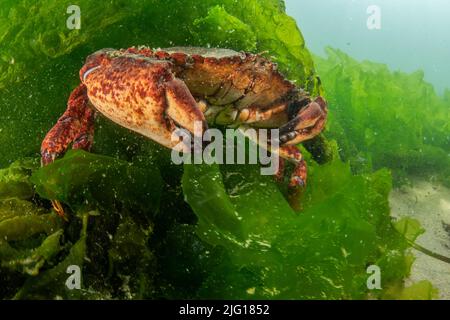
column 141, row 227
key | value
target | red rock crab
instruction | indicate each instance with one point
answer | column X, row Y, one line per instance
column 153, row 92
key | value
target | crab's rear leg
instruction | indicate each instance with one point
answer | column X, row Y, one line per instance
column 75, row 126
column 293, row 154
column 290, row 153
column 297, row 180
column 306, row 120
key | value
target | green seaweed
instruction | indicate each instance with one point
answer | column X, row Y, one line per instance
column 29, row 234
column 19, row 228
column 85, row 180
column 219, row 26
column 30, row 261
column 409, row 228
column 422, row 290
column 51, row 282
column 14, row 180
column 132, row 260
column 383, row 118
column 130, row 229
column 18, row 208
column 320, row 253
column 40, row 246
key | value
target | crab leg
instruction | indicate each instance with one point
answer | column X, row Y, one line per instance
column 297, row 181
column 85, row 137
column 68, row 127
column 298, row 176
column 289, row 153
column 254, row 114
column 75, row 125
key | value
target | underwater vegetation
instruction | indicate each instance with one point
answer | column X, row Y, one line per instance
column 142, row 227
column 386, row 119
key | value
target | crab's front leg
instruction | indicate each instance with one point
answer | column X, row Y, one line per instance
column 75, row 126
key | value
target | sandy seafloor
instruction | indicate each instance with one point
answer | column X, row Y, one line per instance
column 430, row 204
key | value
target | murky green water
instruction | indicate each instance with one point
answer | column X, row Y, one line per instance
column 140, row 226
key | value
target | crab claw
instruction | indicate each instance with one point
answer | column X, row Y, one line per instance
column 184, row 111
column 308, row 123
column 182, row 107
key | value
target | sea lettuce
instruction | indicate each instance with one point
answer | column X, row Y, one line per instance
column 246, row 243
column 274, row 252
column 130, row 229
column 82, row 179
column 37, row 246
column 29, row 233
column 383, row 118
column 52, row 282
column 14, row 180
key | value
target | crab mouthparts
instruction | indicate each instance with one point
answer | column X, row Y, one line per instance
column 308, row 123
column 300, row 132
